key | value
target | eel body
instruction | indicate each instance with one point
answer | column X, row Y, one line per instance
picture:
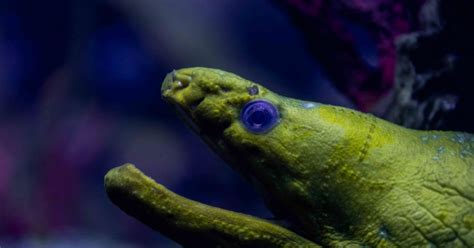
column 339, row 177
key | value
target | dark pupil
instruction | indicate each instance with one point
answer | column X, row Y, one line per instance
column 259, row 117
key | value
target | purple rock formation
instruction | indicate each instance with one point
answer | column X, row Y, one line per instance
column 333, row 30
column 434, row 73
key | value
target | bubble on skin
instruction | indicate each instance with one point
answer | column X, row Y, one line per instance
column 308, row 105
column 426, row 138
column 459, row 138
column 439, row 151
column 466, row 149
column 383, row 232
column 466, row 152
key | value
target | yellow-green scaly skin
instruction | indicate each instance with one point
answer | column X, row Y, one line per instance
column 340, row 177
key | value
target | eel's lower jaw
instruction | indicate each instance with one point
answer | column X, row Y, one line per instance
column 182, row 112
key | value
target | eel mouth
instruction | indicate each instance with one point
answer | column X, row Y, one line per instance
column 185, row 91
column 209, row 104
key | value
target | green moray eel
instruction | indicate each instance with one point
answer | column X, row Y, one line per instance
column 337, row 177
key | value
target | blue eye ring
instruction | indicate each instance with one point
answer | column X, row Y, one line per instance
column 259, row 116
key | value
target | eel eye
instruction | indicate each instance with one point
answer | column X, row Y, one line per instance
column 259, row 116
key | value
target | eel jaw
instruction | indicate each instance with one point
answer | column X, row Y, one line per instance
column 185, row 95
column 189, row 222
column 171, row 85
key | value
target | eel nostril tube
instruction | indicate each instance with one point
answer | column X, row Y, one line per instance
column 181, row 80
column 167, row 84
column 173, row 75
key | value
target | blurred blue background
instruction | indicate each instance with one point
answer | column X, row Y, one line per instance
column 80, row 94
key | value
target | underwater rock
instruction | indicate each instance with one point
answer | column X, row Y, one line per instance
column 434, row 73
column 341, row 35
